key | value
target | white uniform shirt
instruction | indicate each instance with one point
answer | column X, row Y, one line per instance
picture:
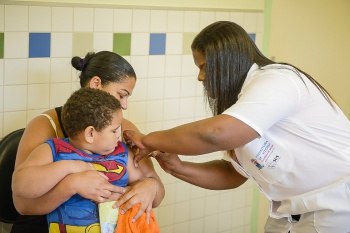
column 304, row 144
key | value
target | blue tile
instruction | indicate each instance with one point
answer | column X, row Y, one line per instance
column 252, row 36
column 157, row 44
column 39, row 44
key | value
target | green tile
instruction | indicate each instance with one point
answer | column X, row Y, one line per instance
column 122, row 43
column 186, row 42
column 1, row 45
column 82, row 43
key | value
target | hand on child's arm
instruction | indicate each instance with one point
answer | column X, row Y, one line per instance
column 93, row 185
column 140, row 192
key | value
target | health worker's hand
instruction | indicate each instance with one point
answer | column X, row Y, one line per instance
column 134, row 140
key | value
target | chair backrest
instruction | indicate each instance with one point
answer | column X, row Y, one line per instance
column 8, row 151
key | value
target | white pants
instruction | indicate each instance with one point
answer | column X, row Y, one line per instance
column 311, row 223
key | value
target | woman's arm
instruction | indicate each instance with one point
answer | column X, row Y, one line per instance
column 218, row 133
column 38, row 173
column 215, row 175
column 89, row 184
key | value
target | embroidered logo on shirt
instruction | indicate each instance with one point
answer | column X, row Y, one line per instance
column 258, row 165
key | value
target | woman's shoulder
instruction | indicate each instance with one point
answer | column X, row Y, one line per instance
column 128, row 125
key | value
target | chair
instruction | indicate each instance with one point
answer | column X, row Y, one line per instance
column 8, row 151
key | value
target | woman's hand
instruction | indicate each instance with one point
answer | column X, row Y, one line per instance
column 134, row 140
column 139, row 192
column 93, row 185
column 170, row 163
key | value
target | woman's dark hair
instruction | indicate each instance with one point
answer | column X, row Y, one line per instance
column 88, row 107
column 230, row 53
column 108, row 66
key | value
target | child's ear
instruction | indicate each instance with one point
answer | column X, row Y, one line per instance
column 89, row 134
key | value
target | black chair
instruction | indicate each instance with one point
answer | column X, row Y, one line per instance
column 8, row 151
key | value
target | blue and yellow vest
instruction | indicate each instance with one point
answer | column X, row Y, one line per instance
column 79, row 214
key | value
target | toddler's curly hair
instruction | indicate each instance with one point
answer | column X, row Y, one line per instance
column 88, row 107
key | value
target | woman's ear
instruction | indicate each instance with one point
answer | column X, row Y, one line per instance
column 95, row 82
column 89, row 134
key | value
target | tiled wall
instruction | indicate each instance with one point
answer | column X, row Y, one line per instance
column 37, row 44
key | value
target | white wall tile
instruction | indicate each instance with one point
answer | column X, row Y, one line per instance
column 156, row 66
column 153, row 126
column 206, row 18
column 15, row 71
column 140, row 64
column 103, row 20
column 154, row 110
column 224, row 221
column 140, row 90
column 183, row 192
column 39, row 70
column 62, row 19
column 211, row 224
column 166, row 215
column 211, row 204
column 170, row 124
column 155, row 88
column 103, row 41
column 141, row 20
column 16, row 18
column 61, row 44
column 38, row 96
column 260, row 23
column 201, row 109
column 172, row 87
column 182, row 212
column 238, row 217
column 2, row 18
column 175, row 21
column 171, row 109
column 197, row 225
column 122, row 20
column 137, row 111
column 59, row 93
column 14, row 121
column 17, row 40
column 237, row 17
column 188, row 66
column 15, row 98
column 60, row 70
column 40, row 19
column 187, row 107
column 173, row 43
column 259, row 40
column 188, row 86
column 83, row 19
column 140, row 44
column 250, row 22
column 183, row 227
column 222, row 16
column 199, row 87
column 158, row 21
column 191, row 21
column 173, row 64
column 197, row 208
